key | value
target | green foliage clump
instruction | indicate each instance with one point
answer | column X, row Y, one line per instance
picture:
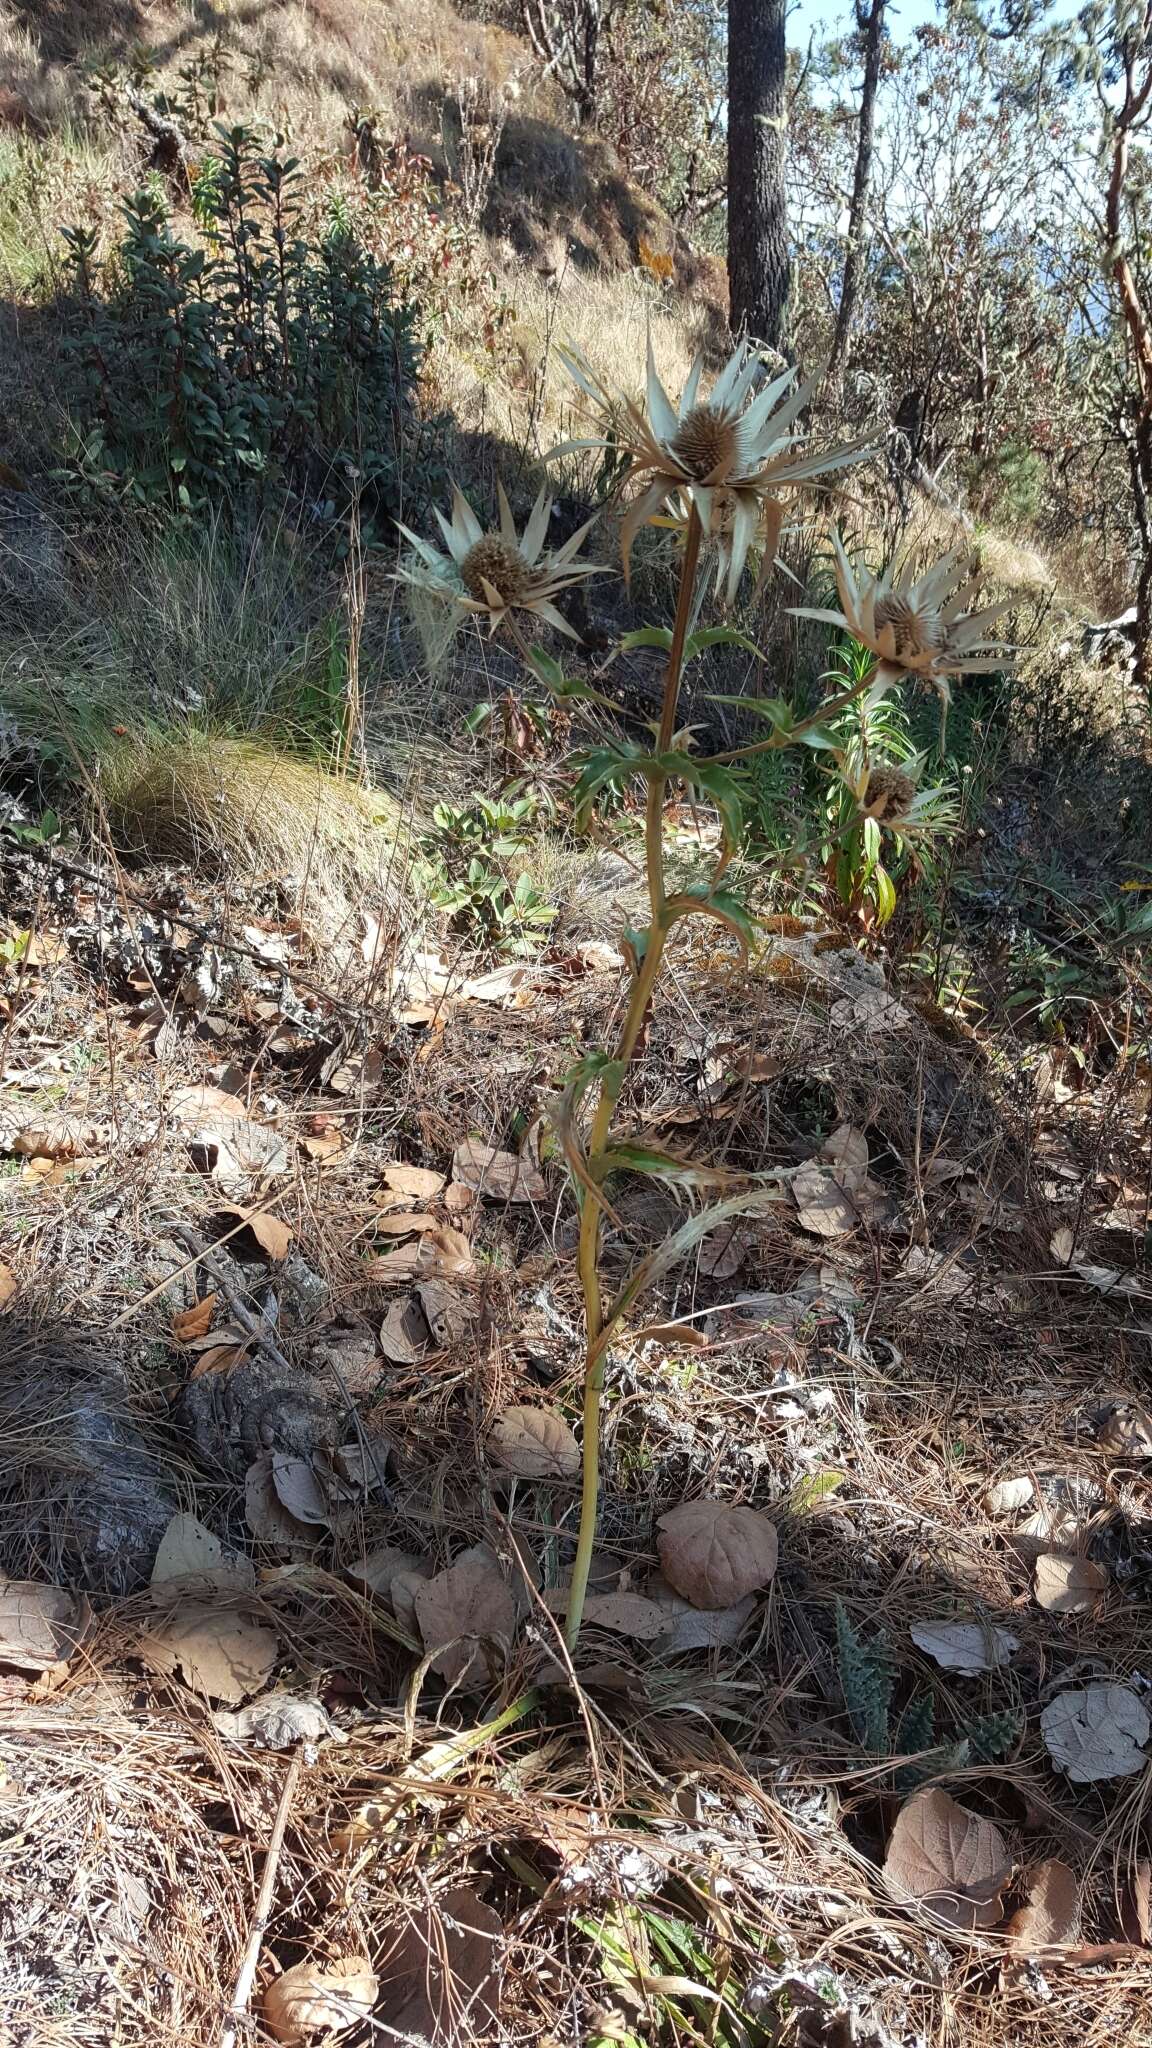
column 867, row 1682
column 465, row 875
column 263, row 355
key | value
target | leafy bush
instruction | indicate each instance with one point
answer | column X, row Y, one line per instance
column 265, row 355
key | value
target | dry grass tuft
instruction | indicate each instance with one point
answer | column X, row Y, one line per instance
column 241, row 809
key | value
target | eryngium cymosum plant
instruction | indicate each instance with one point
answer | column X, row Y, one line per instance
column 725, row 465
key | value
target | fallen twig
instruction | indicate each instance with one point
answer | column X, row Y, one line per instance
column 247, row 1971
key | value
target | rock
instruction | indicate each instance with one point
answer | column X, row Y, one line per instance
column 303, row 1293
column 232, row 1418
column 89, row 1492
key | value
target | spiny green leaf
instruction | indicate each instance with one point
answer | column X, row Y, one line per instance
column 810, row 1491
column 753, row 1201
column 718, row 903
column 626, row 1155
column 719, row 636
column 774, row 710
column 647, row 636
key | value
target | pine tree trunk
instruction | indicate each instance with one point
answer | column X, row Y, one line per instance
column 871, row 25
column 757, row 145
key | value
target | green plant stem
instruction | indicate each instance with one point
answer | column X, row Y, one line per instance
column 643, row 985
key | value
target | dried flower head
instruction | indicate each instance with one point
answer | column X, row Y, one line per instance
column 889, row 792
column 726, row 455
column 918, row 626
column 493, row 574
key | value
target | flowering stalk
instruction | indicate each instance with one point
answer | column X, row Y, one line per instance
column 644, row 977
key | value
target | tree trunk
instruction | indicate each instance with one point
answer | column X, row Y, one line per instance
column 757, row 144
column 870, row 21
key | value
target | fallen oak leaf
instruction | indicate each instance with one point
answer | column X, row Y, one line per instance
column 823, row 1206
column 222, row 1654
column 265, row 1513
column 193, row 1561
column 411, row 1223
column 416, row 1183
column 1051, row 1916
column 949, row 1861
column 190, row 1323
column 1066, row 1584
column 279, row 1721
column 404, row 1333
column 40, row 1626
column 965, row 1646
column 443, row 1963
column 501, row 1176
column 461, row 1612
column 624, row 1614
column 272, row 1235
column 320, row 1998
column 8, row 1284
column 534, row 1443
column 221, row 1358
column 1096, row 1733
column 713, row 1554
column 298, row 1489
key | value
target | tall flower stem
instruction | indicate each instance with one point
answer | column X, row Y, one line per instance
column 645, row 974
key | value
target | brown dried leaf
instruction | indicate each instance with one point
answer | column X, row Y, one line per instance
column 279, row 1721
column 8, row 1284
column 461, row 1613
column 40, row 1626
column 194, row 1322
column 444, row 1963
column 1066, row 1584
column 320, row 1998
column 272, row 1236
column 625, row 1614
column 265, row 1513
column 221, row 1358
column 1096, row 1733
column 404, row 1333
column 724, row 1251
column 713, row 1554
column 192, row 1560
column 409, row 1223
column 846, row 1152
column 501, row 1176
column 378, row 1568
column 222, row 1654
column 415, row 1183
column 948, row 1860
column 1051, row 1918
column 298, row 1489
column 402, row 1594
column 323, row 1145
column 1124, row 1430
column 965, row 1646
column 822, row 1205
column 534, row 1443
column 691, row 1628
column 443, row 1253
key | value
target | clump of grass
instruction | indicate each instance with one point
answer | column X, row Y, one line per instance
column 242, row 808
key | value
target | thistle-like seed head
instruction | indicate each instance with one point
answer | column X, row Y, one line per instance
column 500, row 565
column 890, row 791
column 912, row 634
column 705, row 442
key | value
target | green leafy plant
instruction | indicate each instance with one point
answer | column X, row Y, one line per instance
column 271, row 354
column 867, row 1680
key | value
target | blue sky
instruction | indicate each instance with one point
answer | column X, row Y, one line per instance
column 836, row 17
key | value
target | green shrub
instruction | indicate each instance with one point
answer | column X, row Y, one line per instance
column 262, row 357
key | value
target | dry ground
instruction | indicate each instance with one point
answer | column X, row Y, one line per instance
column 685, row 1842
